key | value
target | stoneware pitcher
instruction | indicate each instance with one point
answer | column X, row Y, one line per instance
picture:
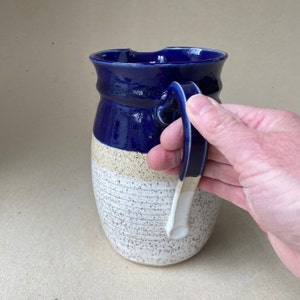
column 149, row 217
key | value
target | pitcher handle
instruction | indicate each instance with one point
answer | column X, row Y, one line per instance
column 195, row 149
column 195, row 146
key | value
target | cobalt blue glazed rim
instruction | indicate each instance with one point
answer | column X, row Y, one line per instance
column 132, row 86
column 165, row 56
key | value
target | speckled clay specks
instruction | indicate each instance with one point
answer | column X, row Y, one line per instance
column 134, row 203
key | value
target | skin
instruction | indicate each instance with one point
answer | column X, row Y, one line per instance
column 253, row 162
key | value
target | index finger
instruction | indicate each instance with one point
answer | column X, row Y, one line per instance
column 172, row 137
column 172, row 140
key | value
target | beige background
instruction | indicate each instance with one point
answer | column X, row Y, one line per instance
column 51, row 242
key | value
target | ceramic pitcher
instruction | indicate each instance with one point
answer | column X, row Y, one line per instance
column 140, row 94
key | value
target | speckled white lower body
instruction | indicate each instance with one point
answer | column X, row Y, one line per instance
column 134, row 203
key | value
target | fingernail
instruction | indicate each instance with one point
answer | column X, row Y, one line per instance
column 198, row 104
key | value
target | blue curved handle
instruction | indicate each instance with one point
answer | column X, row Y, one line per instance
column 195, row 147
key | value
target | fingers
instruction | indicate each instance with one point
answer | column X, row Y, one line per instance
column 172, row 137
column 169, row 161
column 160, row 159
column 234, row 194
column 221, row 172
column 220, row 127
column 215, row 155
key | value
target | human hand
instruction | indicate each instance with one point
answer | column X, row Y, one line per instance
column 253, row 162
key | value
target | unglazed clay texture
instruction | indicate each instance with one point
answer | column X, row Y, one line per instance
column 134, row 203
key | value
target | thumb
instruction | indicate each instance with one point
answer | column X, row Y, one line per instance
column 220, row 127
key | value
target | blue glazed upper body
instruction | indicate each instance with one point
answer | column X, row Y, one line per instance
column 132, row 84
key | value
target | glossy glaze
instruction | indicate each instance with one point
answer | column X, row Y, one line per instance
column 132, row 84
column 133, row 201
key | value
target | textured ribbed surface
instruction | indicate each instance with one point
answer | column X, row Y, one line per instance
column 134, row 203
